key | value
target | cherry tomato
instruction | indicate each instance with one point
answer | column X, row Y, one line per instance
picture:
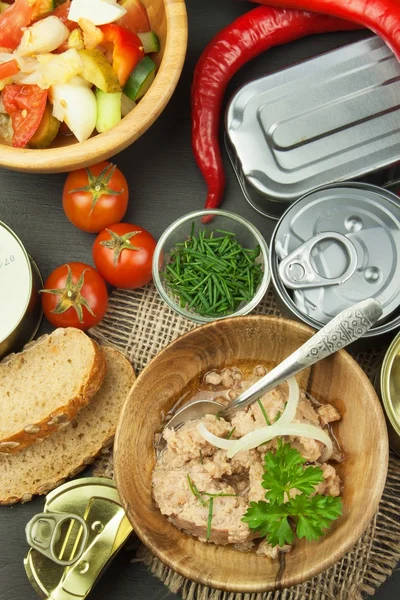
column 25, row 104
column 123, row 255
column 74, row 295
column 96, row 197
column 12, row 20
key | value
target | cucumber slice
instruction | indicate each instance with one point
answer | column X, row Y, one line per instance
column 126, row 105
column 150, row 42
column 43, row 7
column 140, row 79
column 47, row 130
column 97, row 70
column 108, row 110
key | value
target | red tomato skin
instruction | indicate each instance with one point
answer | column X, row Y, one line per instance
column 62, row 13
column 108, row 210
column 25, row 104
column 134, row 267
column 8, row 69
column 94, row 290
column 16, row 16
column 136, row 19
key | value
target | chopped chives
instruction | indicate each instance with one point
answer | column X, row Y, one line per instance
column 228, row 437
column 264, row 412
column 212, row 274
column 210, row 516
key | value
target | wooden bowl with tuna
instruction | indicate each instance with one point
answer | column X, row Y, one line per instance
column 167, row 498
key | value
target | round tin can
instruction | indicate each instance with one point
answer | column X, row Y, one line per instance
column 334, row 247
column 67, row 559
column 388, row 386
column 20, row 282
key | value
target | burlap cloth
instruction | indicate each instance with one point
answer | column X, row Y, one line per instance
column 140, row 324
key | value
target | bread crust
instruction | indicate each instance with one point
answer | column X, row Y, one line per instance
column 97, row 446
column 35, row 432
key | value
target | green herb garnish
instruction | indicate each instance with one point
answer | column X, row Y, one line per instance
column 201, row 456
column 310, row 515
column 210, row 516
column 213, row 274
column 264, row 412
column 199, row 495
column 228, row 437
column 283, row 472
column 195, row 491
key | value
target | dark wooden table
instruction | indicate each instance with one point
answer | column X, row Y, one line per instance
column 164, row 184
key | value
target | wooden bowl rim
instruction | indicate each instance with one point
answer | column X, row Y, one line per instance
column 104, row 145
column 307, row 573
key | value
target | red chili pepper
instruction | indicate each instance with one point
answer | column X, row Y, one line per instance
column 381, row 16
column 127, row 49
column 247, row 37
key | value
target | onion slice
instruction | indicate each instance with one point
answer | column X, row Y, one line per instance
column 265, row 434
column 291, row 406
column 214, row 440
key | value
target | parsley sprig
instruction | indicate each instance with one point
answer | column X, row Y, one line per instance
column 310, row 515
column 284, row 472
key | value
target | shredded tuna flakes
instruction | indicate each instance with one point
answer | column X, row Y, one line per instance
column 209, row 469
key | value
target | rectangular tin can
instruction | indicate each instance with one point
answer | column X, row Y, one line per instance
column 332, row 118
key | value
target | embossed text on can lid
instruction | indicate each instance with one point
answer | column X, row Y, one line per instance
column 15, row 281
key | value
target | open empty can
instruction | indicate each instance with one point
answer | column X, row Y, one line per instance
column 332, row 118
column 334, row 247
column 388, row 384
column 20, row 282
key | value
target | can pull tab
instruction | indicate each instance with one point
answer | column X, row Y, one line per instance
column 45, row 530
column 296, row 270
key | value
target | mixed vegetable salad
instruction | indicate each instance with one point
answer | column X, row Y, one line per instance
column 80, row 63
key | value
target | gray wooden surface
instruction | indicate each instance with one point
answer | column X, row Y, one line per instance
column 164, row 184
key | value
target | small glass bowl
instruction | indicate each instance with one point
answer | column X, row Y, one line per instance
column 179, row 231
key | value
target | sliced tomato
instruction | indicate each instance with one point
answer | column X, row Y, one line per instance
column 62, row 13
column 136, row 17
column 8, row 69
column 17, row 15
column 25, row 104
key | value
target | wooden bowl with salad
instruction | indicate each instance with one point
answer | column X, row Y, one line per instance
column 230, row 514
column 80, row 81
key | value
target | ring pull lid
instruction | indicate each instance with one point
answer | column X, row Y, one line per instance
column 297, row 271
column 44, row 531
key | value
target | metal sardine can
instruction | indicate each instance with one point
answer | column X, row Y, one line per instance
column 389, row 388
column 331, row 118
column 20, row 282
column 74, row 539
column 334, row 247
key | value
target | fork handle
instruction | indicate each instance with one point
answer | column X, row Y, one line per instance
column 349, row 325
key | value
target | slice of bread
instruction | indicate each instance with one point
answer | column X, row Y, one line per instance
column 45, row 465
column 43, row 387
